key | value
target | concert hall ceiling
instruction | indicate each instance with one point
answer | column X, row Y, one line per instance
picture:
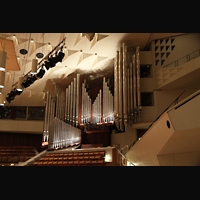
column 93, row 59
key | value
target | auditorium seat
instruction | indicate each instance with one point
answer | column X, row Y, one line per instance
column 71, row 159
column 15, row 154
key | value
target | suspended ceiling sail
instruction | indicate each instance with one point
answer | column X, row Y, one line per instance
column 11, row 62
column 93, row 59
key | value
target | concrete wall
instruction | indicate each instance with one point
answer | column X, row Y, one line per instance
column 21, row 126
column 124, row 138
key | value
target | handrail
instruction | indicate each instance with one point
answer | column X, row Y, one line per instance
column 175, row 101
column 183, row 59
column 123, row 147
column 119, row 152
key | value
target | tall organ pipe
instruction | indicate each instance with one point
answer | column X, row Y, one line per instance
column 131, row 93
column 74, row 103
column 77, row 99
column 134, row 89
column 116, row 92
column 71, row 103
column 138, row 82
column 121, row 125
column 124, row 85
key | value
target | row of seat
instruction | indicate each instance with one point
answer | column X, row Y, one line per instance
column 95, row 153
column 15, row 154
column 47, row 158
column 16, row 147
column 71, row 159
column 68, row 163
column 16, row 150
column 14, row 159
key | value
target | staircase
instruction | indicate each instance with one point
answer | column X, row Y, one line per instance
column 173, row 140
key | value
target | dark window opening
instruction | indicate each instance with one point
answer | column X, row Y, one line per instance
column 147, row 99
column 145, row 71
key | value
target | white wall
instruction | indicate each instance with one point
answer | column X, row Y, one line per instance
column 145, row 151
column 124, row 138
column 180, row 159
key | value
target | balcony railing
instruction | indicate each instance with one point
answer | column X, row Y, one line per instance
column 22, row 112
column 184, row 59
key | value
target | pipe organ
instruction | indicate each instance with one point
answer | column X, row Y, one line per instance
column 108, row 115
column 86, row 105
column 127, row 99
column 97, row 109
column 49, row 116
column 63, row 117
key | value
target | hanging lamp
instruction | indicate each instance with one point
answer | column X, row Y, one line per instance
column 3, row 56
column 34, row 66
column 2, row 78
column 19, row 87
column 2, row 100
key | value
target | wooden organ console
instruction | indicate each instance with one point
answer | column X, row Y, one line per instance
column 64, row 116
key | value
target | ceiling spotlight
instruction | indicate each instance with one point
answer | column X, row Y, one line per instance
column 1, row 100
column 32, row 40
column 41, row 73
column 34, row 66
column 2, row 78
column 20, row 80
column 3, row 57
column 14, row 36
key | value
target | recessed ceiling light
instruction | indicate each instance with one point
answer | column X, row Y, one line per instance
column 39, row 55
column 23, row 51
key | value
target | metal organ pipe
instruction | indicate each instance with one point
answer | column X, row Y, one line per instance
column 116, row 92
column 77, row 98
column 121, row 124
column 74, row 103
column 127, row 96
column 138, row 82
column 124, row 85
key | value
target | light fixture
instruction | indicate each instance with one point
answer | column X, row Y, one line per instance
column 2, row 78
column 34, row 66
column 14, row 36
column 3, row 57
column 32, row 40
column 1, row 100
column 19, row 87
